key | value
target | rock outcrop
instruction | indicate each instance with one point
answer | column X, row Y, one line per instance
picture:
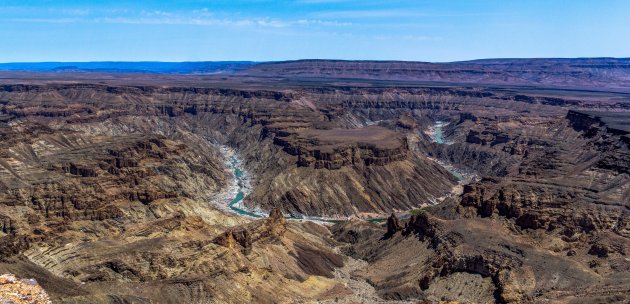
column 21, row 291
column 337, row 148
column 393, row 225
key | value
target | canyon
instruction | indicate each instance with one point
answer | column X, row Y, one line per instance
column 494, row 181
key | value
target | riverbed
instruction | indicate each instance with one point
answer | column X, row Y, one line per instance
column 239, row 186
column 436, row 133
column 464, row 177
column 232, row 198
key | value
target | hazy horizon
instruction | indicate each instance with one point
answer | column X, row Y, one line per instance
column 305, row 59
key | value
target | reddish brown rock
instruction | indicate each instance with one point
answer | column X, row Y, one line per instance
column 393, row 225
column 21, row 291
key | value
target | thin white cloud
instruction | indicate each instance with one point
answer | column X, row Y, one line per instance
column 160, row 18
column 377, row 13
column 391, row 13
column 322, row 22
column 198, row 17
column 193, row 21
column 324, row 1
column 256, row 22
column 156, row 13
column 357, row 2
column 42, row 20
column 75, row 12
column 407, row 37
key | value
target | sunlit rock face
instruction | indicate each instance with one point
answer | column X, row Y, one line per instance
column 22, row 291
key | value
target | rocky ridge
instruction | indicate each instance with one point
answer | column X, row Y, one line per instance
column 105, row 188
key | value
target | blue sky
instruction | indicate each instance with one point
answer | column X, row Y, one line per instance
column 260, row 30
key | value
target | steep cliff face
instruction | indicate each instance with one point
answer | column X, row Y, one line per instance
column 105, row 190
column 118, row 209
column 551, row 214
column 187, row 256
column 355, row 190
column 482, row 261
column 536, row 205
column 581, row 165
column 57, row 182
column 322, row 128
column 336, row 148
column 574, row 198
column 615, row 123
column 109, row 187
column 610, row 132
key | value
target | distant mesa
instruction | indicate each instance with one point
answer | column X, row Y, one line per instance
column 149, row 67
column 554, row 72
